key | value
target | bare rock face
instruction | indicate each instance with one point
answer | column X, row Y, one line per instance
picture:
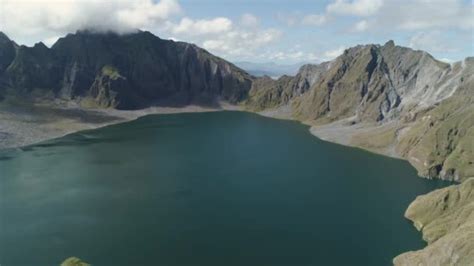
column 446, row 219
column 7, row 52
column 73, row 261
column 386, row 98
column 151, row 71
column 419, row 108
column 267, row 93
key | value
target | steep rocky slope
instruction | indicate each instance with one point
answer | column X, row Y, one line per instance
column 446, row 218
column 388, row 99
column 73, row 261
column 385, row 98
column 403, row 103
column 121, row 71
column 269, row 93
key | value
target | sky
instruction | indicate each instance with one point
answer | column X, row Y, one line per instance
column 280, row 31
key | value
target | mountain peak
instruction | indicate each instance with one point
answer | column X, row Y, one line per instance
column 390, row 43
column 4, row 37
column 40, row 45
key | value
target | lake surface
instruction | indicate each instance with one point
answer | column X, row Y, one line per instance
column 224, row 188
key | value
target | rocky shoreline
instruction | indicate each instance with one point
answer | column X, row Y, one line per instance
column 446, row 219
column 26, row 126
column 29, row 124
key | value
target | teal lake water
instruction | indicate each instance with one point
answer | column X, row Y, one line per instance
column 223, row 188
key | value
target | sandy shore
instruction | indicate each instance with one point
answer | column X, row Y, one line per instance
column 26, row 125
column 380, row 139
column 22, row 125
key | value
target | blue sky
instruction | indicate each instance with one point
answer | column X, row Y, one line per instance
column 282, row 31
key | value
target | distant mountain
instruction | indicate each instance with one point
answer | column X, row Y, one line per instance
column 122, row 71
column 270, row 69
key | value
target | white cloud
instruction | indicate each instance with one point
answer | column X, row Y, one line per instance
column 222, row 36
column 50, row 41
column 241, row 43
column 446, row 60
column 26, row 19
column 291, row 56
column 433, row 14
column 331, row 54
column 287, row 56
column 190, row 27
column 249, row 20
column 289, row 19
column 406, row 15
column 314, row 19
column 361, row 26
column 433, row 41
column 355, row 7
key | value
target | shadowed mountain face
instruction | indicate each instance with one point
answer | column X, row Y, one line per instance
column 122, row 71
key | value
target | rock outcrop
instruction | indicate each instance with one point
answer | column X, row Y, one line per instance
column 446, row 219
column 385, row 98
column 73, row 261
column 129, row 71
column 416, row 107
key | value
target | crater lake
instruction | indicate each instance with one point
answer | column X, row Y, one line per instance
column 218, row 188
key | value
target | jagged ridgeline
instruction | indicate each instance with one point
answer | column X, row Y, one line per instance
column 122, row 71
column 394, row 97
column 408, row 103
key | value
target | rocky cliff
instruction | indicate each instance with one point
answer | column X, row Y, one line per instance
column 416, row 107
column 403, row 103
column 446, row 219
column 385, row 98
column 121, row 71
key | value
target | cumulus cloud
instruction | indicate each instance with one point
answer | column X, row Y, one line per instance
column 44, row 18
column 248, row 20
column 29, row 21
column 407, row 15
column 433, row 14
column 314, row 19
column 331, row 54
column 241, row 43
column 190, row 27
column 292, row 56
column 433, row 41
column 50, row 40
column 361, row 26
column 355, row 7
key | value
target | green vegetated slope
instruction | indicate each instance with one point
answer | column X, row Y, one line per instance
column 391, row 99
column 421, row 106
column 446, row 219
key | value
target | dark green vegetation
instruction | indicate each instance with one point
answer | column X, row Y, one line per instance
column 446, row 218
column 222, row 188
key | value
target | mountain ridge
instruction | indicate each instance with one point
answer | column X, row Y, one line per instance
column 385, row 98
column 370, row 84
column 154, row 68
column 379, row 85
